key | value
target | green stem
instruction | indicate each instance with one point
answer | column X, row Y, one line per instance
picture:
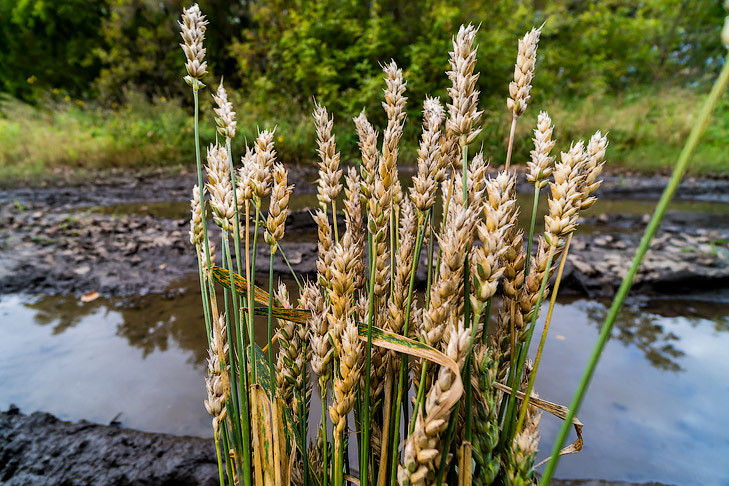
column 511, row 409
column 538, row 358
column 443, row 223
column 339, row 460
column 293, row 274
column 514, row 377
column 447, row 445
column 403, row 360
column 204, row 294
column 650, row 231
column 251, row 279
column 531, row 231
column 325, row 447
column 511, row 142
column 270, row 321
column 236, row 230
column 431, row 245
column 486, row 322
column 199, row 176
column 226, row 450
column 364, row 457
column 220, row 461
column 229, row 322
column 242, row 410
column 303, row 419
column 420, row 396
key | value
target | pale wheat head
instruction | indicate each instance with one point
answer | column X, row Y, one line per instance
column 430, row 172
column 245, row 176
column 523, row 72
column 355, row 224
column 220, row 186
column 192, row 30
column 216, row 381
column 278, row 209
column 196, row 228
column 368, row 147
column 326, row 247
column 345, row 383
column 423, row 446
column 312, row 300
column 463, row 112
column 394, row 106
column 265, row 158
column 594, row 163
column 224, row 114
column 329, row 172
column 565, row 200
column 291, row 360
column 540, row 166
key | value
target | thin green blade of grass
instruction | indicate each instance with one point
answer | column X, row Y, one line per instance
column 650, row 231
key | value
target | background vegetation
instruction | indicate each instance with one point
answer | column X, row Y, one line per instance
column 97, row 83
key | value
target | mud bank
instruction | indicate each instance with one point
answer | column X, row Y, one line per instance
column 84, row 237
column 45, row 250
column 40, row 449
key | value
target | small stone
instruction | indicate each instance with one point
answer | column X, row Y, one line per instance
column 82, row 270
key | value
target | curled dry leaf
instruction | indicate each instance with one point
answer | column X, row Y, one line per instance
column 89, row 296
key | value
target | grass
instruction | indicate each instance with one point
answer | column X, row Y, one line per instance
column 647, row 130
column 61, row 137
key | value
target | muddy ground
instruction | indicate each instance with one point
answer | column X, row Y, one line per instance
column 35, row 449
column 54, row 239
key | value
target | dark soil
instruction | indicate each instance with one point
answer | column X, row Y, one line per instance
column 52, row 240
column 40, row 449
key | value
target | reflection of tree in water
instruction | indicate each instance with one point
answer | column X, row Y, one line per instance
column 644, row 331
column 156, row 321
column 641, row 326
column 152, row 322
column 62, row 310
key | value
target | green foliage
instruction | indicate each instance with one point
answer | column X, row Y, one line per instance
column 276, row 56
column 140, row 49
column 283, row 52
column 49, row 44
column 36, row 141
column 646, row 132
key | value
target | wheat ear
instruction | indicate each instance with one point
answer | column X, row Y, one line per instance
column 192, row 30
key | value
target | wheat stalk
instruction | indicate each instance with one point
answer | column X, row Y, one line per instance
column 192, row 30
column 463, row 109
column 422, row 446
column 225, row 116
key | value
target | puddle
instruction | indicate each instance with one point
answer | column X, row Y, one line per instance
column 655, row 410
column 181, row 209
column 625, row 207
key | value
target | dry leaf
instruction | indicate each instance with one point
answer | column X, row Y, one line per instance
column 89, row 296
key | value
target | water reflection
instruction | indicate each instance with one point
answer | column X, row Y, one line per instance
column 303, row 201
column 643, row 421
column 646, row 327
column 653, row 412
column 150, row 323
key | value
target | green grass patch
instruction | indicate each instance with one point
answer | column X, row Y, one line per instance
column 646, row 132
